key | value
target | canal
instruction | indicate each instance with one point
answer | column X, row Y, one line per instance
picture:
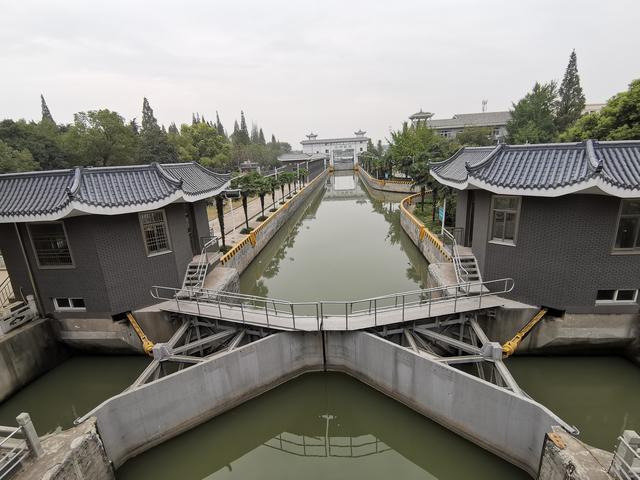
column 346, row 243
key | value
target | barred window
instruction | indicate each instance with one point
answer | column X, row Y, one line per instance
column 628, row 233
column 504, row 218
column 50, row 244
column 154, row 232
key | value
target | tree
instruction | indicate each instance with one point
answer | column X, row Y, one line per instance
column 303, row 173
column 412, row 142
column 249, row 185
column 46, row 114
column 255, row 135
column 273, row 138
column 263, row 186
column 42, row 140
column 173, row 129
column 571, row 102
column 421, row 179
column 241, row 134
column 273, row 184
column 100, row 138
column 533, row 118
column 475, row 137
column 12, row 160
column 261, row 139
column 618, row 120
column 201, row 143
column 219, row 126
column 154, row 145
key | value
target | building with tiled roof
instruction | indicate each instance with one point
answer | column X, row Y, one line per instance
column 563, row 220
column 496, row 122
column 90, row 242
column 342, row 152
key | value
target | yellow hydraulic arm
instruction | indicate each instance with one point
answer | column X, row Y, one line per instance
column 147, row 344
column 510, row 347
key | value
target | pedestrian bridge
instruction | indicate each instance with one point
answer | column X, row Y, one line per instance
column 334, row 315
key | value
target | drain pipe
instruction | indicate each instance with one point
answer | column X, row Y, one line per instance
column 36, row 291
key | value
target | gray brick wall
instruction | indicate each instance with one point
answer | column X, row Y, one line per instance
column 563, row 253
column 112, row 271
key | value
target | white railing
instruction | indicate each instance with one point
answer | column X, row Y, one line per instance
column 6, row 292
column 203, row 264
column 462, row 274
column 237, row 307
column 626, row 460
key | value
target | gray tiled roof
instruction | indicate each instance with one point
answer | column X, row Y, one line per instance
column 461, row 120
column 334, row 140
column 53, row 194
column 300, row 157
column 546, row 169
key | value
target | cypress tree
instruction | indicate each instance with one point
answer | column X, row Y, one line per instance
column 572, row 101
column 261, row 139
column 173, row 129
column 46, row 114
column 154, row 144
column 255, row 136
column 273, row 138
column 219, row 126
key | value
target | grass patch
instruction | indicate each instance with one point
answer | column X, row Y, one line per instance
column 425, row 216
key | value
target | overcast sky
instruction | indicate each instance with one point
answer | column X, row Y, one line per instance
column 328, row 66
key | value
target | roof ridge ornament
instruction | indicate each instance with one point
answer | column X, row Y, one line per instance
column 488, row 158
column 594, row 161
column 164, row 174
column 75, row 185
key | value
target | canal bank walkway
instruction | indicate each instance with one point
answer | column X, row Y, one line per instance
column 234, row 219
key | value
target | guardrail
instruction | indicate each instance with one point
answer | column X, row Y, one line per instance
column 283, row 314
column 16, row 443
column 6, row 292
column 251, row 237
column 424, row 231
column 462, row 274
column 626, row 458
column 383, row 182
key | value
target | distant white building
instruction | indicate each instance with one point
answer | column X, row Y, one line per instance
column 342, row 153
column 450, row 127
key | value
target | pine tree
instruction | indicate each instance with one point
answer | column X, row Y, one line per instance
column 133, row 125
column 241, row 135
column 219, row 126
column 173, row 129
column 236, row 128
column 154, row 145
column 273, row 139
column 572, row 101
column 255, row 136
column 46, row 114
column 261, row 139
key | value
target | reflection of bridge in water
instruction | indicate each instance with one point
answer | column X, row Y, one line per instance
column 343, row 185
column 328, row 446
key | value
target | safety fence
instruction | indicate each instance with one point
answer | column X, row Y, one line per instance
column 424, row 231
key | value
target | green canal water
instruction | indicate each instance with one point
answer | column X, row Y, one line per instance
column 347, row 243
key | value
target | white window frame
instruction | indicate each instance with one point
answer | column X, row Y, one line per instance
column 615, row 300
column 623, row 251
column 35, row 251
column 71, row 308
column 513, row 242
column 144, row 238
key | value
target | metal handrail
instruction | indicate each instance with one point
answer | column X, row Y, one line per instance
column 455, row 256
column 12, row 456
column 204, row 258
column 6, row 292
column 620, row 467
column 295, row 312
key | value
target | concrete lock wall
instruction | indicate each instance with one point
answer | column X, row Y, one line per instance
column 26, row 353
column 243, row 254
column 385, row 185
column 135, row 421
column 512, row 427
column 432, row 251
column 508, row 425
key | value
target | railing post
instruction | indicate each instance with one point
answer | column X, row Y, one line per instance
column 242, row 312
column 266, row 311
column 375, row 312
column 219, row 307
column 318, row 316
column 293, row 315
column 455, row 300
column 30, row 434
column 430, row 298
column 403, row 307
column 346, row 317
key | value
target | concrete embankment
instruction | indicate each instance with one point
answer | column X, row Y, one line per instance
column 243, row 253
column 26, row 353
column 511, row 426
column 397, row 186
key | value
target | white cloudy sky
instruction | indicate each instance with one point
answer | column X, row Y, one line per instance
column 294, row 66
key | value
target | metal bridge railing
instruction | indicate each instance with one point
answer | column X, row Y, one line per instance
column 6, row 292
column 626, row 459
column 462, row 274
column 238, row 307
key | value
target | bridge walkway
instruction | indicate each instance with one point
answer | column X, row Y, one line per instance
column 333, row 315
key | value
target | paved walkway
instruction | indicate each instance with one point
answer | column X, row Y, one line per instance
column 234, row 220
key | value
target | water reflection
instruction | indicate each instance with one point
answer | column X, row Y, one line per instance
column 346, row 244
column 319, row 426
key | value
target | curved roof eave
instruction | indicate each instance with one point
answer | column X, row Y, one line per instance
column 592, row 185
column 77, row 208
